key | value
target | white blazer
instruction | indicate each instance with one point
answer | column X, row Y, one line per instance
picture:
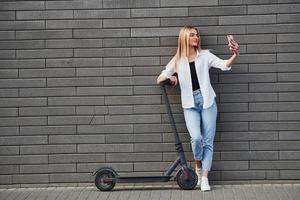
column 203, row 62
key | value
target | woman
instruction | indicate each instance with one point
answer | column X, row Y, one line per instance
column 192, row 65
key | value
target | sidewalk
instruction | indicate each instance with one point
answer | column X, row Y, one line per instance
column 157, row 192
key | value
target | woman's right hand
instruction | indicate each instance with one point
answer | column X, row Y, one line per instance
column 173, row 80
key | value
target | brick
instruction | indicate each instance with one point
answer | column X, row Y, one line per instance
column 9, row 169
column 152, row 51
column 232, row 126
column 6, row 112
column 217, row 11
column 12, row 83
column 88, row 148
column 256, row 116
column 288, row 116
column 119, row 167
column 153, row 147
column 45, row 53
column 49, row 14
column 115, row 71
column 74, row 62
column 47, row 130
column 24, row 5
column 21, row 25
column 124, row 119
column 7, row 35
column 274, row 165
column 44, row 169
column 276, row 28
column 288, row 96
column 41, row 73
column 169, row 3
column 8, row 93
column 243, row 175
column 111, row 129
column 289, row 174
column 230, row 165
column 76, row 158
column 9, row 131
column 7, row 54
column 24, row 159
column 9, row 15
column 76, row 139
column 284, row 126
column 133, row 157
column 231, row 88
column 120, row 110
column 57, row 82
column 32, row 178
column 22, row 121
column 19, row 140
column 101, row 33
column 273, row 87
column 104, row 91
column 73, row 43
column 189, row 20
column 43, row 34
column 47, row 149
column 275, row 67
column 288, row 135
column 154, row 32
column 231, row 146
column 41, row 111
column 288, row 57
column 242, row 78
column 248, row 97
column 271, row 48
column 159, row 12
column 249, row 155
column 130, row 4
column 288, row 37
column 288, row 18
column 87, row 110
column 155, row 166
column 9, row 73
column 46, row 92
column 288, row 77
column 132, row 61
column 75, row 101
column 79, row 4
column 268, row 9
column 11, row 102
column 70, row 177
column 139, row 90
column 66, row 24
column 150, row 99
column 130, row 42
column 120, row 52
column 118, row 23
column 69, row 120
column 289, row 155
column 250, row 39
column 249, row 19
column 249, row 136
column 102, row 14
column 9, row 150
column 274, row 145
column 34, row 63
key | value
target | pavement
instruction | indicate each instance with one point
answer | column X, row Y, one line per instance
column 263, row 191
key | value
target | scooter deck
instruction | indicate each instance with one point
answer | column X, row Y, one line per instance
column 142, row 179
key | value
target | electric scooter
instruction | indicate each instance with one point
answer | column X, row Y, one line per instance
column 107, row 177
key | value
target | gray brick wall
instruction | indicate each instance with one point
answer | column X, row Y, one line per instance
column 77, row 88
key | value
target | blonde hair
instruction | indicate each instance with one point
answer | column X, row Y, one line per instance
column 183, row 43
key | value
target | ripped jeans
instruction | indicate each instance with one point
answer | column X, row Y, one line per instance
column 201, row 124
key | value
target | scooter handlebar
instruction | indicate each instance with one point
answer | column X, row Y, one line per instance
column 166, row 82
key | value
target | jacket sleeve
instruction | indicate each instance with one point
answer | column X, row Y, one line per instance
column 217, row 62
column 169, row 69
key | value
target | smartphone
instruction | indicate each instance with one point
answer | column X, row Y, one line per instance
column 229, row 39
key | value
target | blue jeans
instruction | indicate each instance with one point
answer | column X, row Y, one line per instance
column 201, row 124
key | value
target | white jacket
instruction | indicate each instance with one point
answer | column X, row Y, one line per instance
column 203, row 61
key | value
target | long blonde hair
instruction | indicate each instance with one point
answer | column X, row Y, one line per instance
column 183, row 43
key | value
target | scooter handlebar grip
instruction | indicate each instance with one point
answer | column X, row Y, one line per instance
column 166, row 82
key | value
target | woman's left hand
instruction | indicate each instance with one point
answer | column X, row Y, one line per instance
column 233, row 46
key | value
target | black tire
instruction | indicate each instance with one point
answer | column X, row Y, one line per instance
column 103, row 174
column 187, row 179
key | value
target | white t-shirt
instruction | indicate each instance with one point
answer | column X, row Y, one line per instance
column 203, row 62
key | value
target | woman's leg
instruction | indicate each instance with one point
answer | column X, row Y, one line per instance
column 209, row 118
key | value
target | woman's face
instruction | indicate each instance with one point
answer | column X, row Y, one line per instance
column 194, row 38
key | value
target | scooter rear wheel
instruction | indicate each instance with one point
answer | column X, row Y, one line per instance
column 187, row 179
column 104, row 179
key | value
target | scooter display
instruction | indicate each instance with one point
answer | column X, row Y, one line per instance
column 107, row 177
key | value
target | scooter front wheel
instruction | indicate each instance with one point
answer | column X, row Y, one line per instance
column 105, row 179
column 187, row 179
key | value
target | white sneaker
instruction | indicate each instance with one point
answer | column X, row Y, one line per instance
column 198, row 172
column 204, row 184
